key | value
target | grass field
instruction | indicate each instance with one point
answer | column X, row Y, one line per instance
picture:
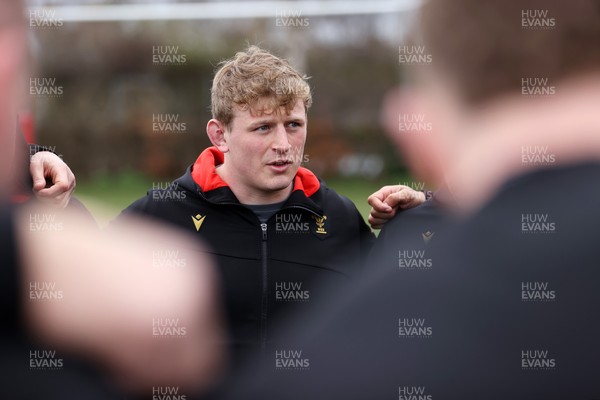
column 106, row 196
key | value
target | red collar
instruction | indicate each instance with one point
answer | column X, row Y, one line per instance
column 204, row 173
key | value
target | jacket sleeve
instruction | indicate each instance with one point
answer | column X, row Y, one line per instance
column 366, row 238
column 140, row 207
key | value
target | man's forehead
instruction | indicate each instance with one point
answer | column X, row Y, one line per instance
column 265, row 109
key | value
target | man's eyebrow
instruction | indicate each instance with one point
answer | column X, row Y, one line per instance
column 263, row 121
column 298, row 118
column 271, row 120
column 295, row 118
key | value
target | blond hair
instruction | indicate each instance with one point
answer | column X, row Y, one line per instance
column 256, row 75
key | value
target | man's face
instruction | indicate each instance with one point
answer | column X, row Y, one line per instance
column 265, row 149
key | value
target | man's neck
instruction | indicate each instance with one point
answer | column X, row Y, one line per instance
column 499, row 143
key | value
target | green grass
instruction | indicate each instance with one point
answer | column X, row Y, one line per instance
column 106, row 195
column 357, row 190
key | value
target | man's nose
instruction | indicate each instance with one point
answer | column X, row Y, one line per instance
column 281, row 143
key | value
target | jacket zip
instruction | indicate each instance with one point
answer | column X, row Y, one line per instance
column 265, row 291
column 265, row 280
column 264, row 269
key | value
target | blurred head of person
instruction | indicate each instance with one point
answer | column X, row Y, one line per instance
column 502, row 76
column 259, row 106
column 13, row 55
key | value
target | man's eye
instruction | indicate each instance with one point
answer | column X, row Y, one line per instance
column 262, row 128
column 294, row 125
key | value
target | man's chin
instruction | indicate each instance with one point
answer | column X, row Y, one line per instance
column 279, row 183
column 275, row 182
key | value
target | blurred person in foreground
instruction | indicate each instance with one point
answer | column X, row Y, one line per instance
column 78, row 305
column 505, row 303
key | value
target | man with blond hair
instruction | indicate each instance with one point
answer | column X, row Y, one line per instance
column 279, row 235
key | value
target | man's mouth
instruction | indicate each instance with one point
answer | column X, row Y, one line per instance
column 280, row 163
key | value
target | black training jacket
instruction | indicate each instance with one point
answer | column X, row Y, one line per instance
column 318, row 239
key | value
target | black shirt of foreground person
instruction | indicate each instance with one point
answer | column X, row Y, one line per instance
column 508, row 309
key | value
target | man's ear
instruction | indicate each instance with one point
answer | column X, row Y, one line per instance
column 215, row 130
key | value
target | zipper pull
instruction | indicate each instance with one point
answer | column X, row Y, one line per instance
column 264, row 231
